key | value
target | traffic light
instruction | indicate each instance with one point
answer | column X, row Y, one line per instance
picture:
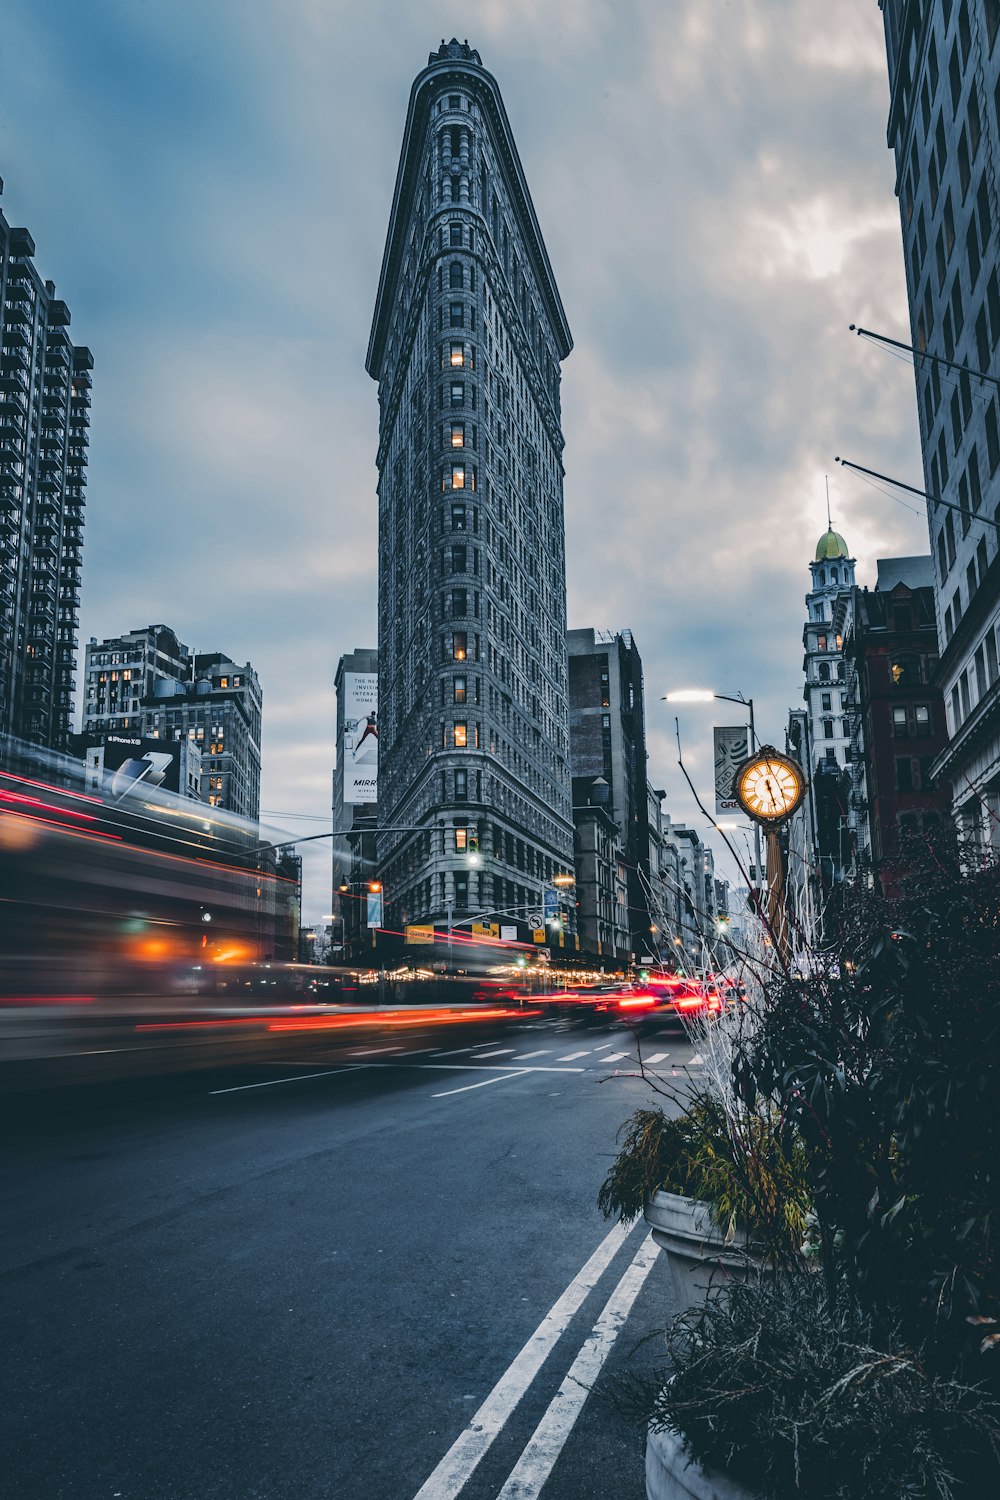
column 472, row 848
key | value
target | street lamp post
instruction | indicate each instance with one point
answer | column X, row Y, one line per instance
column 704, row 695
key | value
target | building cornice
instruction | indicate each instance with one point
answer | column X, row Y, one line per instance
column 480, row 84
column 981, row 606
column 982, row 724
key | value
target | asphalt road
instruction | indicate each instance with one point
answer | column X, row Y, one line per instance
column 307, row 1279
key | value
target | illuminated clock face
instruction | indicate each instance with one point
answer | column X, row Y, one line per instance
column 769, row 786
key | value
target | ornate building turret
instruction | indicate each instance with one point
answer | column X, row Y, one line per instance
column 823, row 663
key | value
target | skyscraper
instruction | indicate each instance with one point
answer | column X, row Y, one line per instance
column 466, row 343
column 944, row 128
column 608, row 758
column 44, row 419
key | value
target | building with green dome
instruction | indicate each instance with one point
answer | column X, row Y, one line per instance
column 831, row 546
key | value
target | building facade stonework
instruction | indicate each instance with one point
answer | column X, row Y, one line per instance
column 944, row 129
column 147, row 683
column 466, row 344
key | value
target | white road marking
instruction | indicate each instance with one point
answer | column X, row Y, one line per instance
column 549, row 1437
column 500, row 1052
column 511, row 1067
column 500, row 1078
column 656, row 1057
column 572, row 1056
column 373, row 1051
column 454, row 1051
column 542, row 1052
column 696, row 1060
column 458, row 1464
column 616, row 1057
column 604, row 1046
column 298, row 1078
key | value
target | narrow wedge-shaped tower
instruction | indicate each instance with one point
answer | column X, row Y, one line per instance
column 466, row 345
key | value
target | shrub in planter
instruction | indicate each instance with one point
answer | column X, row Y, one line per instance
column 734, row 1161
column 883, row 1066
column 795, row 1396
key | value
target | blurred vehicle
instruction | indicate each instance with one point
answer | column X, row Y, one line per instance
column 659, row 1000
column 157, row 932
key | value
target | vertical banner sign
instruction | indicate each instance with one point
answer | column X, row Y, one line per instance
column 360, row 748
column 374, row 908
column 550, row 903
column 731, row 747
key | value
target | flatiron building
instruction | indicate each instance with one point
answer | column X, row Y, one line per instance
column 466, row 344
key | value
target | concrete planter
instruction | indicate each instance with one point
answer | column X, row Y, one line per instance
column 699, row 1255
column 671, row 1475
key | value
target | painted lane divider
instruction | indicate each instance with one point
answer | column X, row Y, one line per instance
column 549, row 1437
column 500, row 1078
column 465, row 1453
column 296, row 1078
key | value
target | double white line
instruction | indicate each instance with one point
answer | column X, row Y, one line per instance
column 547, row 1441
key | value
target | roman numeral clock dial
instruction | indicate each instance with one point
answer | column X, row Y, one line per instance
column 769, row 786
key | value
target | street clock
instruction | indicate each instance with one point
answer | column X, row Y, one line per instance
column 769, row 786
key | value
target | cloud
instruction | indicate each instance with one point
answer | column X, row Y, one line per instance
column 210, row 188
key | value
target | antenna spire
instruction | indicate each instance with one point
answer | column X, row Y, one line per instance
column 829, row 522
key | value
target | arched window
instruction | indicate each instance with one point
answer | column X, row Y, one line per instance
column 455, row 277
column 835, row 575
column 824, row 671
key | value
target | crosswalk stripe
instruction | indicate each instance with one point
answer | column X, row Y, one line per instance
column 656, row 1057
column 500, row 1052
column 614, row 1056
column 523, row 1056
column 572, row 1056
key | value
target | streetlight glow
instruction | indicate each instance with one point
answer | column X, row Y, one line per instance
column 690, row 695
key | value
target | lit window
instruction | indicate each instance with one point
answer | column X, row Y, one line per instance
column 821, row 643
column 458, row 354
column 461, row 736
column 223, row 682
column 461, row 839
column 458, row 434
column 460, row 648
column 840, row 643
column 458, row 476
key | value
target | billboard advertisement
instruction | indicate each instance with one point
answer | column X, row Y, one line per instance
column 731, row 747
column 131, row 764
column 360, row 743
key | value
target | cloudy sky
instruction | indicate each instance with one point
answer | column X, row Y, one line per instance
column 209, row 187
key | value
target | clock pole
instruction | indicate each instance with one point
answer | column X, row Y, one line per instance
column 776, row 914
column 769, row 787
